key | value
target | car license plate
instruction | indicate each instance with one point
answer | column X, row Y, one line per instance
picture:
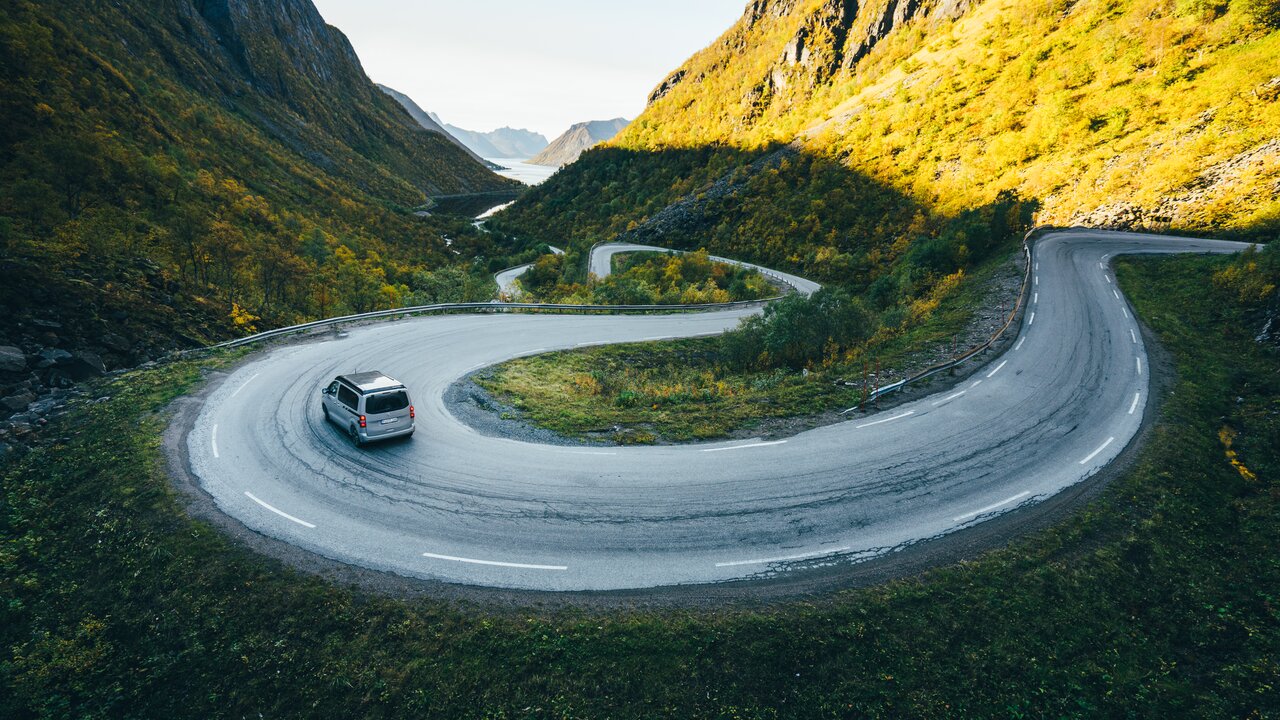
column 390, row 421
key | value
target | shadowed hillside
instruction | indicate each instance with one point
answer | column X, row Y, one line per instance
column 183, row 171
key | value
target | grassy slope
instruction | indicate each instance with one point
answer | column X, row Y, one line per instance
column 1157, row 600
column 683, row 390
column 1079, row 105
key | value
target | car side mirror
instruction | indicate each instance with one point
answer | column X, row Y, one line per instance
column 324, row 391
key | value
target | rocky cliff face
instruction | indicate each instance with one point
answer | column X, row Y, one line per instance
column 277, row 63
column 282, row 48
column 577, row 140
column 816, row 42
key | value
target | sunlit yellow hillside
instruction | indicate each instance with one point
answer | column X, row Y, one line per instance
column 1136, row 112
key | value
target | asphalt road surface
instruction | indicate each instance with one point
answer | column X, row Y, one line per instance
column 507, row 278
column 454, row 505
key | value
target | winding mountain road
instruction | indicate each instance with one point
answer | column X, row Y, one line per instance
column 506, row 279
column 455, row 505
column 601, row 264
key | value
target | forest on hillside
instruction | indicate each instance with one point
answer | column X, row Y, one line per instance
column 152, row 189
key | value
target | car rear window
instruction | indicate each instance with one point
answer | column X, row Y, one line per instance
column 386, row 402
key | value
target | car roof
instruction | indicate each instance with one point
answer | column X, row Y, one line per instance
column 367, row 382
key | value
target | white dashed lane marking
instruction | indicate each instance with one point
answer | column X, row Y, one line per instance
column 213, row 440
column 1094, row 454
column 243, row 384
column 281, row 513
column 949, row 398
column 744, row 447
column 991, row 507
column 881, row 422
column 495, row 563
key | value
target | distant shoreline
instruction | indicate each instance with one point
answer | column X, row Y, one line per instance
column 520, row 169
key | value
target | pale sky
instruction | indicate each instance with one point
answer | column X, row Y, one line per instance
column 536, row 64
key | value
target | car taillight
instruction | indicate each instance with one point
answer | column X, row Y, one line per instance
column 411, row 415
column 362, row 422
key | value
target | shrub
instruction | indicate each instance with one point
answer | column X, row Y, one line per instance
column 797, row 331
column 1264, row 12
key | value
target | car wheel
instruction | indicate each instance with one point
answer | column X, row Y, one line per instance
column 355, row 436
column 325, row 410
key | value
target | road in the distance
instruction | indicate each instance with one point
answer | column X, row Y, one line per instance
column 601, row 264
column 506, row 279
column 454, row 505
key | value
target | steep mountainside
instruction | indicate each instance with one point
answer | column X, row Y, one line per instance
column 428, row 122
column 180, row 171
column 577, row 140
column 788, row 138
column 505, row 142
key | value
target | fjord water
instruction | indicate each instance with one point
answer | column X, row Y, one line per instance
column 520, row 169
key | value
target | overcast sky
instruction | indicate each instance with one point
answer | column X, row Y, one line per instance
column 536, row 64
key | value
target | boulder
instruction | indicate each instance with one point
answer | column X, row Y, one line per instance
column 116, row 342
column 52, row 356
column 19, row 402
column 12, row 359
column 82, row 366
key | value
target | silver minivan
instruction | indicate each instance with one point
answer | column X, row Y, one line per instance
column 368, row 406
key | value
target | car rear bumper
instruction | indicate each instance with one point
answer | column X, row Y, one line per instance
column 400, row 432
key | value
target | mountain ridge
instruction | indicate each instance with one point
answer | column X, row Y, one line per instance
column 429, row 122
column 505, row 142
column 182, row 172
column 579, row 138
column 950, row 103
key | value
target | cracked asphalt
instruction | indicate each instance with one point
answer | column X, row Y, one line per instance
column 457, row 506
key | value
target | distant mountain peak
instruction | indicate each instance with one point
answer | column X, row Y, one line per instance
column 505, row 142
column 578, row 139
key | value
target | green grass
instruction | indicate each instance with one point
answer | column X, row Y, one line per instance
column 649, row 391
column 1158, row 600
column 682, row 390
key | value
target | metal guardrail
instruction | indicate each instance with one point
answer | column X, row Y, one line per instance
column 970, row 353
column 482, row 307
column 566, row 307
